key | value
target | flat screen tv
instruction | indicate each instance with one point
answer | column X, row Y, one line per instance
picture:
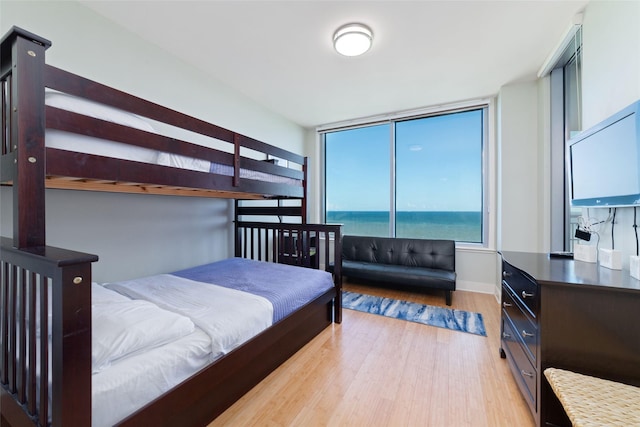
column 604, row 162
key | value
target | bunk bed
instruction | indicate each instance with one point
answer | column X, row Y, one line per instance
column 46, row 378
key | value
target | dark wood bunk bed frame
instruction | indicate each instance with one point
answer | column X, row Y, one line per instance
column 28, row 266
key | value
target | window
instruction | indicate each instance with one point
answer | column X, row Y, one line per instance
column 409, row 177
column 357, row 176
column 566, row 121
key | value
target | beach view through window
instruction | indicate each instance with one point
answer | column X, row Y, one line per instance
column 418, row 178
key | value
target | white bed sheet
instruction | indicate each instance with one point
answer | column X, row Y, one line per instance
column 132, row 382
column 183, row 162
column 229, row 316
column 100, row 147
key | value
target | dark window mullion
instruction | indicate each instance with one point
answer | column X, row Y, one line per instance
column 392, row 179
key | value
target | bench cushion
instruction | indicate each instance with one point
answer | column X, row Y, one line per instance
column 400, row 274
column 591, row 401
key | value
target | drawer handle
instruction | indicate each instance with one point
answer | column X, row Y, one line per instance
column 507, row 304
column 506, row 335
column 526, row 374
column 506, row 274
column 527, row 295
column 526, row 334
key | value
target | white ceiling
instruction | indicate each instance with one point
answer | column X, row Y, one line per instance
column 425, row 53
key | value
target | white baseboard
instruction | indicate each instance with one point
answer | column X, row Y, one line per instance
column 483, row 288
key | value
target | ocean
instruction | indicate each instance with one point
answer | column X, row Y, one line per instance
column 458, row 226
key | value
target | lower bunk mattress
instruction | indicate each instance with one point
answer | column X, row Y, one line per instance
column 152, row 333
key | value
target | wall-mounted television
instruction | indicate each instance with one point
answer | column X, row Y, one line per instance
column 604, row 162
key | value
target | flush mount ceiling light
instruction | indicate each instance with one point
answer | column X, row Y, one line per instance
column 352, row 39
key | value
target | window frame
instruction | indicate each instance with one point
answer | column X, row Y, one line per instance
column 488, row 156
column 563, row 217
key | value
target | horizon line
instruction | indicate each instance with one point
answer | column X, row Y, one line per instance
column 399, row 211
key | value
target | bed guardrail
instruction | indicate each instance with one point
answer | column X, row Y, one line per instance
column 45, row 311
column 234, row 143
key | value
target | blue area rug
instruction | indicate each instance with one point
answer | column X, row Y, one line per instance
column 457, row 320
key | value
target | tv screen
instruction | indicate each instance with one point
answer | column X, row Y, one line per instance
column 604, row 162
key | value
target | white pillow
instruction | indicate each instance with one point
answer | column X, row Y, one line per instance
column 100, row 294
column 120, row 328
column 93, row 109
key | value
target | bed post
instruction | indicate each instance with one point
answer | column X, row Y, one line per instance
column 236, row 159
column 305, row 171
column 25, row 153
column 237, row 238
column 32, row 273
column 337, row 269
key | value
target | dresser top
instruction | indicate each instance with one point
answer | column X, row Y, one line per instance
column 547, row 270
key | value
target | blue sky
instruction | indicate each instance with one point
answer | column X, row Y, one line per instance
column 438, row 165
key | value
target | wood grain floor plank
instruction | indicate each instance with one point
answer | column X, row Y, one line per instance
column 376, row 371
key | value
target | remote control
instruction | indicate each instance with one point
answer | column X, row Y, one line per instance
column 561, row 254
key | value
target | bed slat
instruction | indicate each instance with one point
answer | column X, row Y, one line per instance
column 5, row 84
column 4, row 321
column 32, row 377
column 21, row 366
column 43, row 409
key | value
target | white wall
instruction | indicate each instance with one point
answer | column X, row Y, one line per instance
column 611, row 81
column 522, row 190
column 611, row 59
column 519, row 169
column 138, row 235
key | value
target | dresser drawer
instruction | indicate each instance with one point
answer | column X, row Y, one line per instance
column 522, row 323
column 525, row 289
column 523, row 371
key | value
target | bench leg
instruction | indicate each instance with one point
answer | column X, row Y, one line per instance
column 447, row 295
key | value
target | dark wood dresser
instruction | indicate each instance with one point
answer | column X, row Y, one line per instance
column 567, row 314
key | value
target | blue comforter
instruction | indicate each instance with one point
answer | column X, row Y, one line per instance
column 287, row 287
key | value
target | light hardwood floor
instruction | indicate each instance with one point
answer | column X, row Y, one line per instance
column 376, row 371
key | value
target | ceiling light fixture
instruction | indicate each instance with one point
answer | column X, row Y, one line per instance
column 352, row 39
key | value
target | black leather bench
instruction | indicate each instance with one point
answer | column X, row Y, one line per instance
column 404, row 261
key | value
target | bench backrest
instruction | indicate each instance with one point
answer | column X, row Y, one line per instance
column 440, row 254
